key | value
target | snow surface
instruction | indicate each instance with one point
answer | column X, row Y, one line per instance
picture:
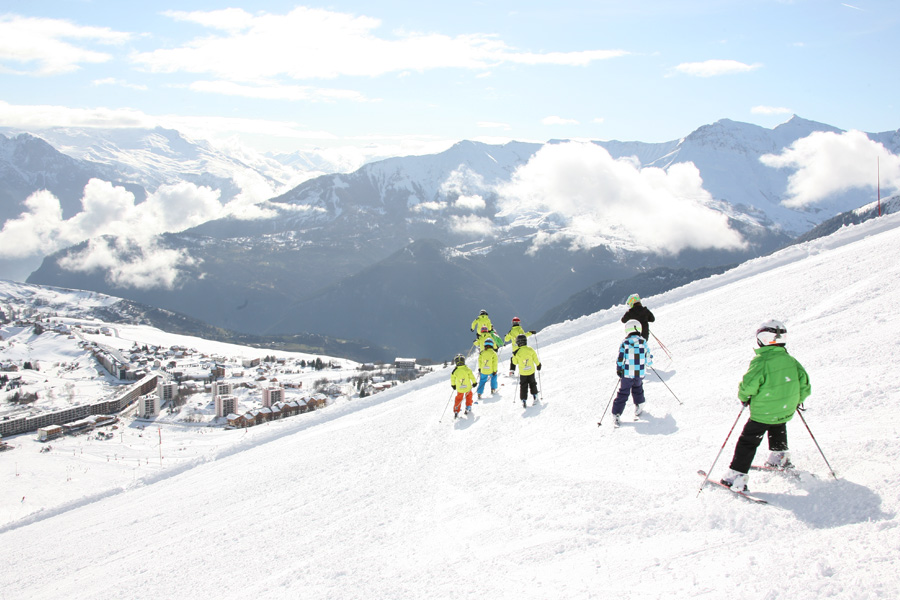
column 384, row 498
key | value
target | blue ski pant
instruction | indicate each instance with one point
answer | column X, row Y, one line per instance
column 629, row 386
column 483, row 379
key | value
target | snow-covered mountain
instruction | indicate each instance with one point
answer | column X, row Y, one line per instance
column 331, row 234
column 388, row 497
column 154, row 157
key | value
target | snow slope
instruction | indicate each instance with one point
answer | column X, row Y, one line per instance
column 380, row 498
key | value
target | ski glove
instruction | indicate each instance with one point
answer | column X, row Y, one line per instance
column 539, row 367
column 532, row 332
column 453, row 386
column 620, row 372
column 800, row 407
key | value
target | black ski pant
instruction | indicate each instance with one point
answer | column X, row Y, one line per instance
column 750, row 439
column 525, row 382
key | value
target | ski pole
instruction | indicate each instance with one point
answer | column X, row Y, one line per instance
column 616, row 387
column 817, row 444
column 667, row 386
column 743, row 406
column 445, row 406
column 516, row 387
column 540, row 383
column 661, row 345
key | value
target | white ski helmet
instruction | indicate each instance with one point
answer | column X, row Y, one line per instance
column 771, row 333
column 632, row 326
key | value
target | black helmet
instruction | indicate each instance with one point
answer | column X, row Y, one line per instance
column 521, row 339
column 459, row 360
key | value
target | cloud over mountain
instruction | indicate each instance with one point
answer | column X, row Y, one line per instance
column 135, row 259
column 827, row 163
column 602, row 198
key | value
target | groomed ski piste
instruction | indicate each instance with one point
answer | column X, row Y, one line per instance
column 383, row 498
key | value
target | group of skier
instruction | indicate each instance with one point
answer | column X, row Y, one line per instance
column 774, row 386
column 487, row 343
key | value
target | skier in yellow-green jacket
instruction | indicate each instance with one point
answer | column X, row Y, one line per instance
column 514, row 332
column 463, row 381
column 487, row 366
column 526, row 358
column 482, row 320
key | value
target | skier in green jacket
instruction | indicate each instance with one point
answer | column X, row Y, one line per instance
column 774, row 388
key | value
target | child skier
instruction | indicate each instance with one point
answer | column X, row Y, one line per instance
column 528, row 362
column 631, row 365
column 640, row 313
column 515, row 331
column 487, row 366
column 487, row 334
column 482, row 320
column 774, row 387
column 463, row 381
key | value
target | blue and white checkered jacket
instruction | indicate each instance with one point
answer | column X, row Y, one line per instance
column 634, row 357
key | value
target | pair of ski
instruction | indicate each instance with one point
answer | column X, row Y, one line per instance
column 745, row 495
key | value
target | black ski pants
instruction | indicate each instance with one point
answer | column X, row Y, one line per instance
column 525, row 382
column 750, row 439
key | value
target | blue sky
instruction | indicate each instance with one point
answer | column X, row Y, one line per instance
column 285, row 76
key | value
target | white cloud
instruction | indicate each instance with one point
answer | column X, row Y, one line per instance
column 111, row 210
column 44, row 116
column 472, row 225
column 277, row 91
column 308, row 43
column 493, row 125
column 136, row 263
column 45, row 43
column 472, row 203
column 429, row 206
column 119, row 83
column 713, row 68
column 554, row 120
column 771, row 110
column 228, row 19
column 828, row 163
column 462, row 182
column 597, row 198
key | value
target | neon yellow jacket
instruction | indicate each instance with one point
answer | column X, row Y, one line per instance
column 526, row 359
column 462, row 379
column 515, row 332
column 490, row 335
column 481, row 321
column 487, row 361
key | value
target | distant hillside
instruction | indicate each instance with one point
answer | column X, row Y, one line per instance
column 607, row 294
column 27, row 299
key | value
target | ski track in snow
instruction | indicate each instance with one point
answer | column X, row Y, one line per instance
column 383, row 498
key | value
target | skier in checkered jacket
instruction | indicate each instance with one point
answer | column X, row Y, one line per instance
column 631, row 364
